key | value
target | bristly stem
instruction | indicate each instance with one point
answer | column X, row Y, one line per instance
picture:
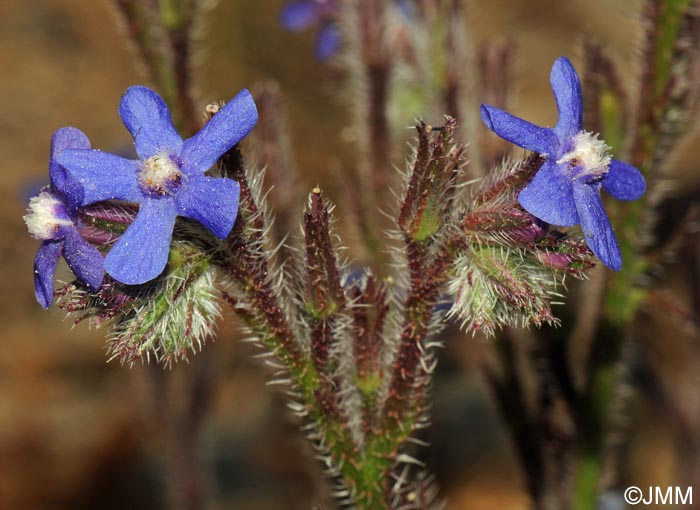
column 364, row 460
column 369, row 316
column 406, row 387
column 424, row 213
column 323, row 299
column 320, row 257
column 249, row 266
column 264, row 311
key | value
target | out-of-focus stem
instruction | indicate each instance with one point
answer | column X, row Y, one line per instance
column 580, row 341
column 669, row 64
column 178, row 16
column 542, row 427
column 272, row 145
column 617, row 438
column 452, row 85
column 669, row 55
column 495, row 77
column 509, row 385
column 144, row 30
column 373, row 128
column 174, row 407
column 376, row 68
column 162, row 32
column 187, row 485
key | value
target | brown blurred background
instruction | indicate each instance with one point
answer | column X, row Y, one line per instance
column 77, row 432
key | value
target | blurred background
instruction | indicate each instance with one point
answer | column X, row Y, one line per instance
column 77, row 432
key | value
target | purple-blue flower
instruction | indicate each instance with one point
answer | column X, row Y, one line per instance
column 168, row 179
column 566, row 189
column 52, row 217
column 300, row 15
column 407, row 8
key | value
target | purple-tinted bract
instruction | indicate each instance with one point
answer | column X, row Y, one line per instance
column 53, row 218
column 167, row 181
column 566, row 189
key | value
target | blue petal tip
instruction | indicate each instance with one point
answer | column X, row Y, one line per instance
column 486, row 116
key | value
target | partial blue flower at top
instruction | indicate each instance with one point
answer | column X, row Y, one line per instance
column 566, row 189
column 52, row 217
column 167, row 181
column 407, row 8
column 296, row 16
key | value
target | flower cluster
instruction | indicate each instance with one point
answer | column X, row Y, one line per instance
column 168, row 180
column 566, row 190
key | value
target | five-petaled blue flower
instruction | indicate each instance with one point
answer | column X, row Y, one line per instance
column 300, row 15
column 167, row 181
column 52, row 217
column 566, row 189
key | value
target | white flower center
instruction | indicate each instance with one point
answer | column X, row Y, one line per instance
column 589, row 155
column 159, row 174
column 45, row 215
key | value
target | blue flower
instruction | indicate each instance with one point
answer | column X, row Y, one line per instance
column 167, row 181
column 52, row 217
column 407, row 8
column 566, row 189
column 300, row 15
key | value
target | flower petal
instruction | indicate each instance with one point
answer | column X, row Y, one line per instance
column 549, row 197
column 62, row 183
column 147, row 118
column 225, row 129
column 68, row 138
column 141, row 252
column 103, row 176
column 211, row 201
column 624, row 181
column 83, row 258
column 44, row 270
column 299, row 15
column 327, row 42
column 567, row 93
column 520, row 132
column 595, row 225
